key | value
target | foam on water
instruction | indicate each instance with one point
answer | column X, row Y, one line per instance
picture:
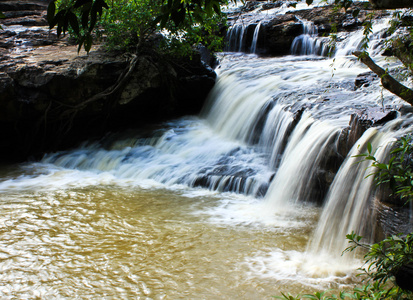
column 316, row 271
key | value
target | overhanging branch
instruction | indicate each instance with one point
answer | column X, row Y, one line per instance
column 388, row 82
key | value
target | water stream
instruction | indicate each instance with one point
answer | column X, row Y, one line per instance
column 217, row 206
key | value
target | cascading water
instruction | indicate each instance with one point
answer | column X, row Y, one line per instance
column 243, row 37
column 309, row 43
column 236, row 38
column 310, row 144
column 350, row 194
column 255, row 38
column 151, row 213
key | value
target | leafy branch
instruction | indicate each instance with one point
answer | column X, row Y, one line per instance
column 397, row 173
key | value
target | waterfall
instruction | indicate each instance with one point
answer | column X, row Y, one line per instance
column 240, row 39
column 235, row 38
column 308, row 43
column 270, row 129
column 274, row 133
column 350, row 204
column 309, row 146
column 255, row 38
column 260, row 189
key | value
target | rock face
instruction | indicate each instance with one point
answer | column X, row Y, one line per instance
column 47, row 100
column 278, row 30
column 51, row 97
column 279, row 34
column 24, row 12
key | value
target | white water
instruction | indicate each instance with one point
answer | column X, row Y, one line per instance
column 255, row 38
column 349, row 205
column 309, row 43
column 308, row 145
column 212, row 172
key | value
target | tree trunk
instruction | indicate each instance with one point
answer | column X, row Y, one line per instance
column 388, row 82
column 391, row 4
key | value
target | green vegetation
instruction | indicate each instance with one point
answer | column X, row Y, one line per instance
column 385, row 266
column 397, row 173
column 130, row 24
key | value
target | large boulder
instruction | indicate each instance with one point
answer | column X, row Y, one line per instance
column 52, row 97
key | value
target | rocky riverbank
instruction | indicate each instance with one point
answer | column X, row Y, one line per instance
column 52, row 97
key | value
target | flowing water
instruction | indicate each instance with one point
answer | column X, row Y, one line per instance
column 216, row 206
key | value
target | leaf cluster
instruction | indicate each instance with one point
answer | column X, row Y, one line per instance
column 371, row 291
column 80, row 15
column 126, row 23
column 384, row 259
column 397, row 173
column 178, row 11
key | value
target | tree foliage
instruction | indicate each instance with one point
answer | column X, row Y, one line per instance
column 125, row 22
column 384, row 260
column 397, row 173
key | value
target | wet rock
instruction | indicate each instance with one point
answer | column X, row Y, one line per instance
column 278, row 35
column 271, row 5
column 404, row 277
column 42, row 93
column 359, row 123
column 24, row 12
column 364, row 79
column 250, row 6
column 279, row 30
column 376, row 115
column 391, row 218
column 323, row 17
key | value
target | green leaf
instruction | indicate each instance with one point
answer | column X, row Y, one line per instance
column 369, row 148
column 73, row 22
column 217, row 9
column 178, row 16
column 93, row 16
column 81, row 41
column 59, row 30
column 85, row 19
column 88, row 43
column 309, row 2
column 51, row 10
column 57, row 19
column 65, row 24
